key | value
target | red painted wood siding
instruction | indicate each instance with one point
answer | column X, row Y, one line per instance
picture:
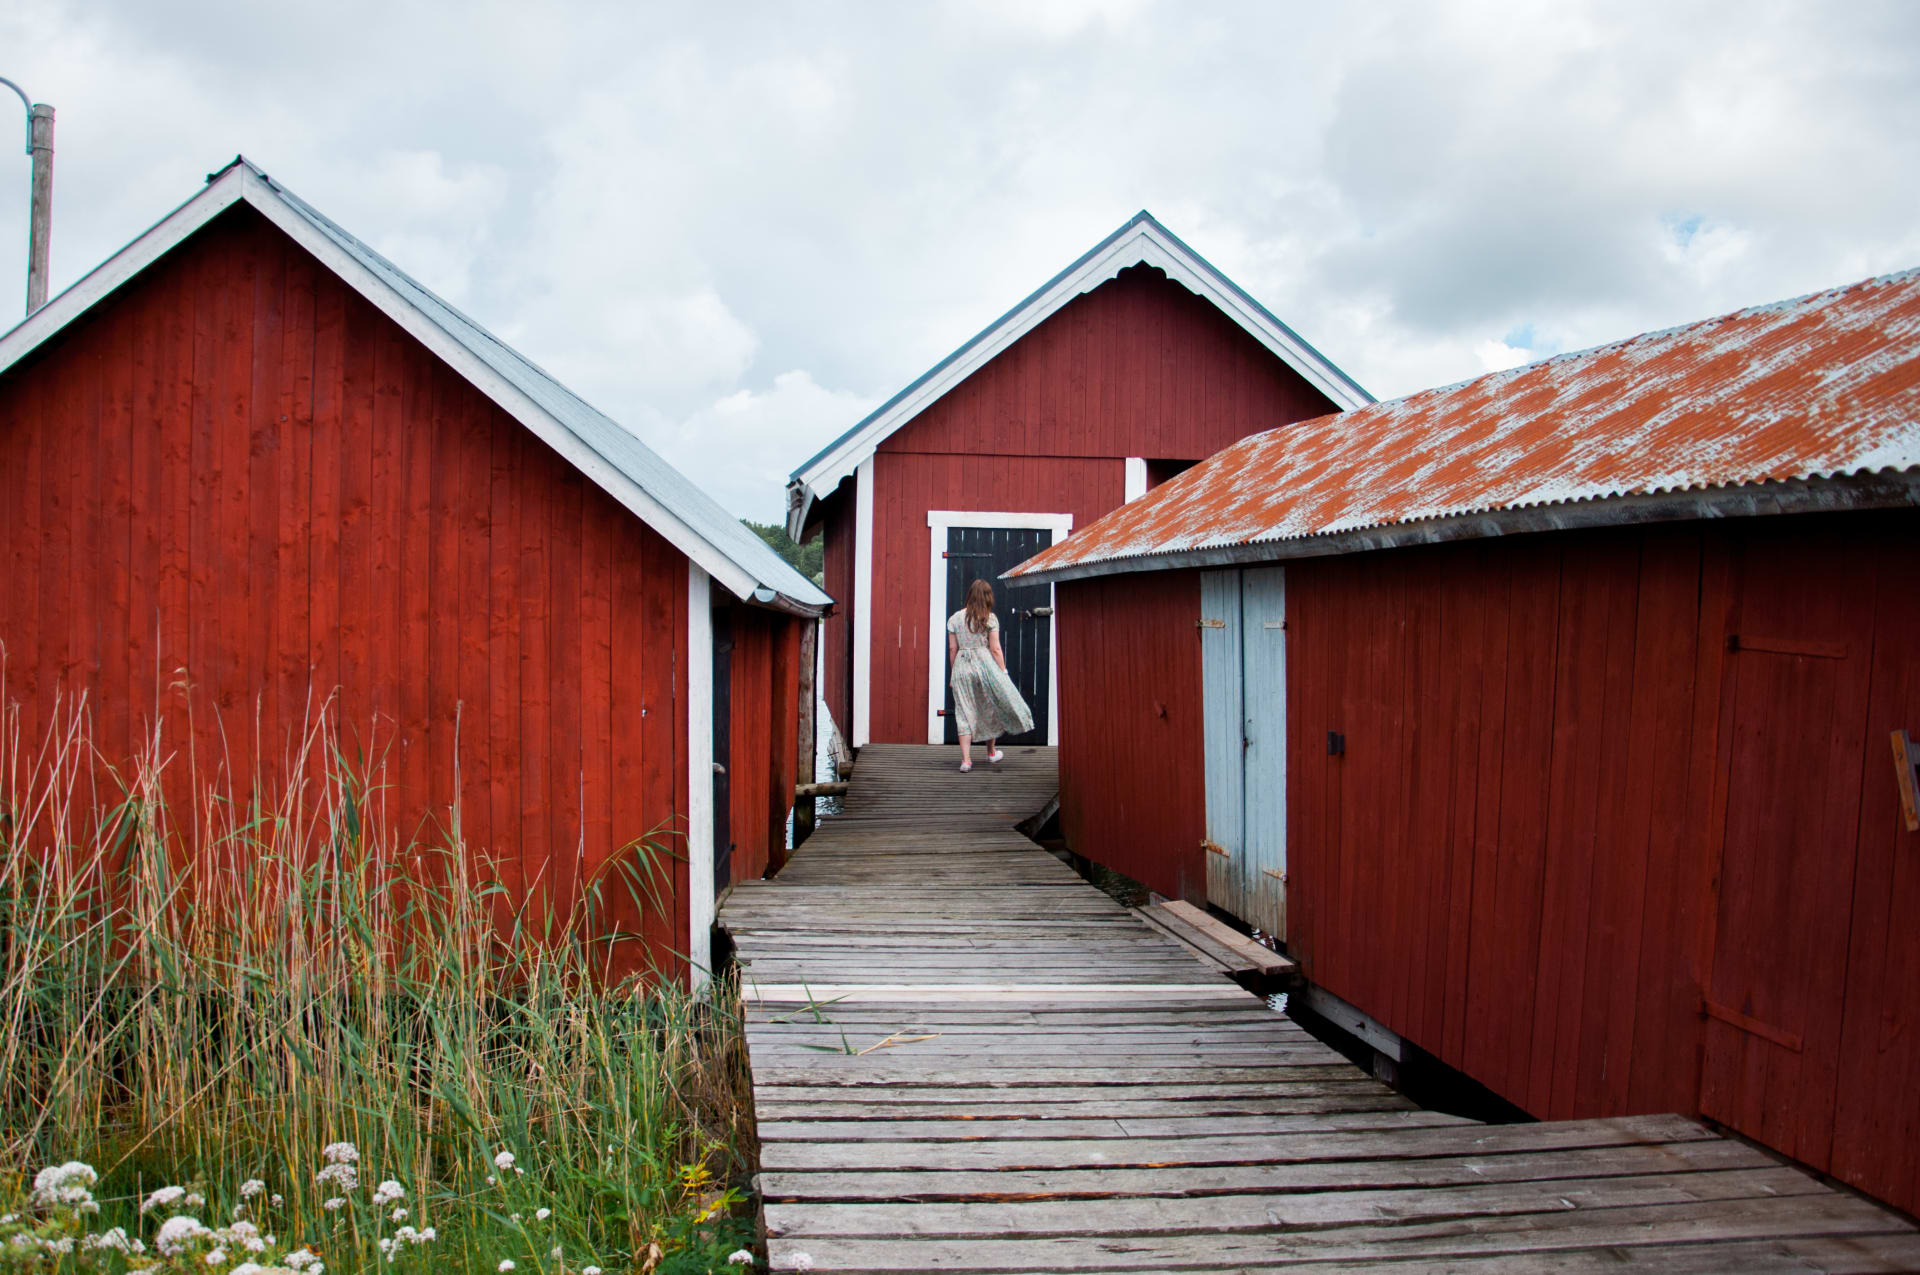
column 238, row 467
column 836, row 631
column 1515, row 863
column 765, row 727
column 1132, row 778
column 907, row 486
column 1137, row 367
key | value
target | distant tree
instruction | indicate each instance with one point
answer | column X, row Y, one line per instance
column 808, row 559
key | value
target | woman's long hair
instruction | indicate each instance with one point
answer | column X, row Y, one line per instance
column 979, row 605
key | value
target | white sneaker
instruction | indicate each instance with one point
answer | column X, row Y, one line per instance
column 965, row 766
column 996, row 756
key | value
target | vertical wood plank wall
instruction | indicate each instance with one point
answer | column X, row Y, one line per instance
column 836, row 631
column 239, row 469
column 1132, row 782
column 765, row 686
column 1137, row 367
column 1515, row 864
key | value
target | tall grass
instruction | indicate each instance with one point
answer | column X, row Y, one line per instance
column 207, row 989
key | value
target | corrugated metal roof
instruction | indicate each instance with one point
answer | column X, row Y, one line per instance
column 1820, row 387
column 692, row 505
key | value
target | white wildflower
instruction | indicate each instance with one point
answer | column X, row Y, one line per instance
column 503, row 1161
column 300, row 1259
column 398, row 1215
column 800, row 1261
column 740, row 1257
column 386, row 1244
column 554, row 1252
column 68, row 1183
column 216, row 1257
column 334, row 1205
column 589, row 1270
column 513, row 1217
column 115, row 1239
column 340, row 1153
column 194, row 1200
column 543, row 1214
column 248, row 1268
column 506, row 1264
column 278, row 1200
column 341, row 1172
column 61, row 1246
column 492, row 1181
column 162, row 1198
column 387, row 1192
column 176, row 1233
column 252, row 1187
column 8, row 1219
column 428, row 1235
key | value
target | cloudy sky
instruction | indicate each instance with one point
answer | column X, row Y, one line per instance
column 738, row 227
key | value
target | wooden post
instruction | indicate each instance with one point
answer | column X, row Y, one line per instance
column 803, row 764
column 40, row 217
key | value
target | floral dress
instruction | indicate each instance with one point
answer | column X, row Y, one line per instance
column 986, row 704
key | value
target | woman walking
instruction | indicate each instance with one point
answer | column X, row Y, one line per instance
column 986, row 705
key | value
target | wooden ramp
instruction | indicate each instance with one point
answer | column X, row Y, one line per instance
column 967, row 1059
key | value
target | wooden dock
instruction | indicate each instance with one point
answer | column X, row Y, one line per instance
column 967, row 1059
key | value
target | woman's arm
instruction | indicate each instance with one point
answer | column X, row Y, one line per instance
column 993, row 644
column 953, row 647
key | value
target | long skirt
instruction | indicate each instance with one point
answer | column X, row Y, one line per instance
column 986, row 704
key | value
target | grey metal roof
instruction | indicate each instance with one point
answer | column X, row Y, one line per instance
column 605, row 436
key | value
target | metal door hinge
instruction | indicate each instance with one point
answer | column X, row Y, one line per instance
column 1212, row 847
column 1210, row 624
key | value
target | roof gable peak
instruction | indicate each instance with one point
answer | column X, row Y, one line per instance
column 1140, row 240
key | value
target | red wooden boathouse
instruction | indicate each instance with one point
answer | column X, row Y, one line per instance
column 249, row 447
column 1588, row 688
column 1126, row 367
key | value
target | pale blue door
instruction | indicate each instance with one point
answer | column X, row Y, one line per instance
column 1263, row 644
column 1243, row 652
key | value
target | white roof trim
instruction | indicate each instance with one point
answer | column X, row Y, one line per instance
column 240, row 182
column 1142, row 241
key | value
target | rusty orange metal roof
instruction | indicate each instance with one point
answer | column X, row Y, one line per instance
column 1817, row 388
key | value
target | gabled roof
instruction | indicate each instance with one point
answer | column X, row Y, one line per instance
column 1806, row 404
column 689, row 519
column 1141, row 241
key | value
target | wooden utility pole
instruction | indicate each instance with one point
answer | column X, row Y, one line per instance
column 40, row 205
column 40, row 216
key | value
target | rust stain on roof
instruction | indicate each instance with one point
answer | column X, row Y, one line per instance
column 1822, row 386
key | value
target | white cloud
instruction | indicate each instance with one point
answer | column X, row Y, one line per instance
column 741, row 447
column 673, row 208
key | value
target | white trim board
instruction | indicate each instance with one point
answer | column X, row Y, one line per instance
column 699, row 775
column 1135, row 479
column 862, row 625
column 939, row 523
column 1141, row 241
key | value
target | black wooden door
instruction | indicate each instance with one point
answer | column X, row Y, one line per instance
column 722, row 747
column 982, row 553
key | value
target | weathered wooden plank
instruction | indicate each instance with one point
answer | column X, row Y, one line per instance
column 1266, row 1212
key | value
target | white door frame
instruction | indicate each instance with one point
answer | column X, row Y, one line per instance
column 862, row 625
column 939, row 523
column 699, row 902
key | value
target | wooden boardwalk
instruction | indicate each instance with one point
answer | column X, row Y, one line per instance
column 967, row 1059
